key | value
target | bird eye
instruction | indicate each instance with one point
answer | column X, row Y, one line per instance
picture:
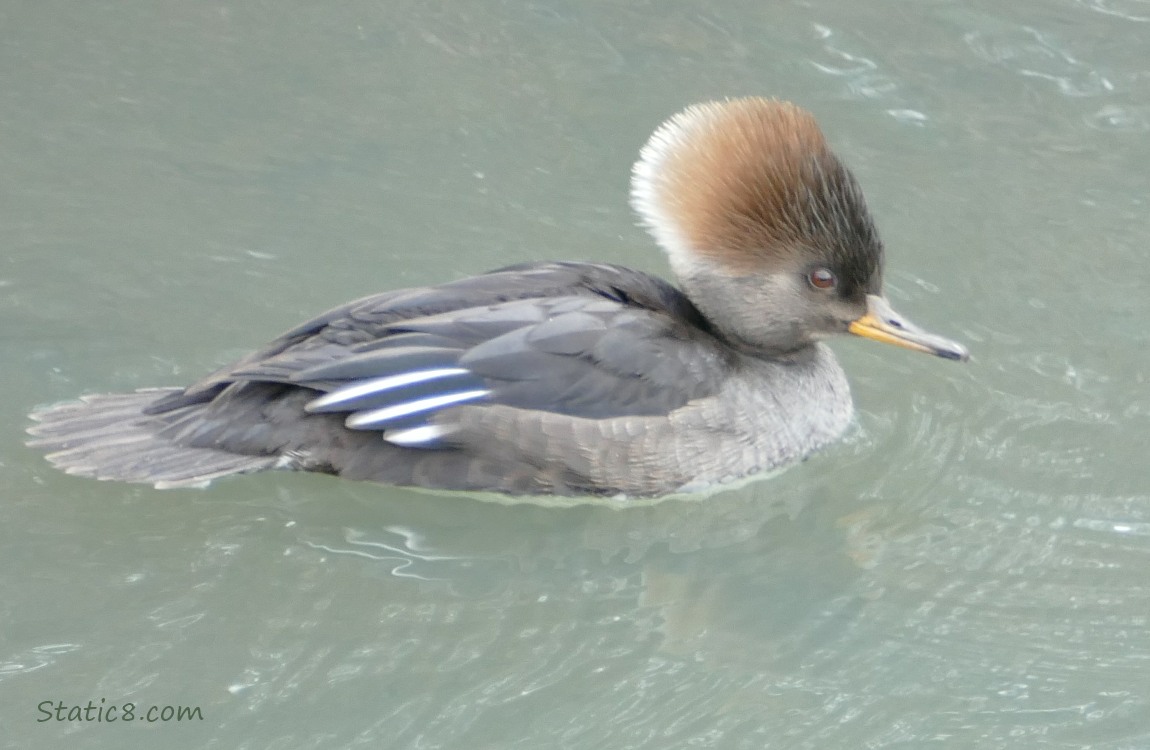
column 822, row 278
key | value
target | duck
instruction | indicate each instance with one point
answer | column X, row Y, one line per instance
column 561, row 378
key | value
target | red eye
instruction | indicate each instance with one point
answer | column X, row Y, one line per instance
column 822, row 278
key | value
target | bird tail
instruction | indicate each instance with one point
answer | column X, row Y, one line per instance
column 109, row 436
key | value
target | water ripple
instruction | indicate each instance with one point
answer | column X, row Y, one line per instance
column 1129, row 10
column 34, row 658
column 1036, row 54
column 1113, row 117
column 863, row 77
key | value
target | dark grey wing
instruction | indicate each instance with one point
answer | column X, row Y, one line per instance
column 580, row 356
column 336, row 334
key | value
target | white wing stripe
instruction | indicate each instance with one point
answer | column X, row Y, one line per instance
column 416, row 436
column 360, row 420
column 378, row 385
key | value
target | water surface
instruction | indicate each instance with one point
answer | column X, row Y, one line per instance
column 182, row 181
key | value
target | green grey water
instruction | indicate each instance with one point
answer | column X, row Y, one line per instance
column 181, row 181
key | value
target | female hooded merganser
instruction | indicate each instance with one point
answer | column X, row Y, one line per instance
column 561, row 378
